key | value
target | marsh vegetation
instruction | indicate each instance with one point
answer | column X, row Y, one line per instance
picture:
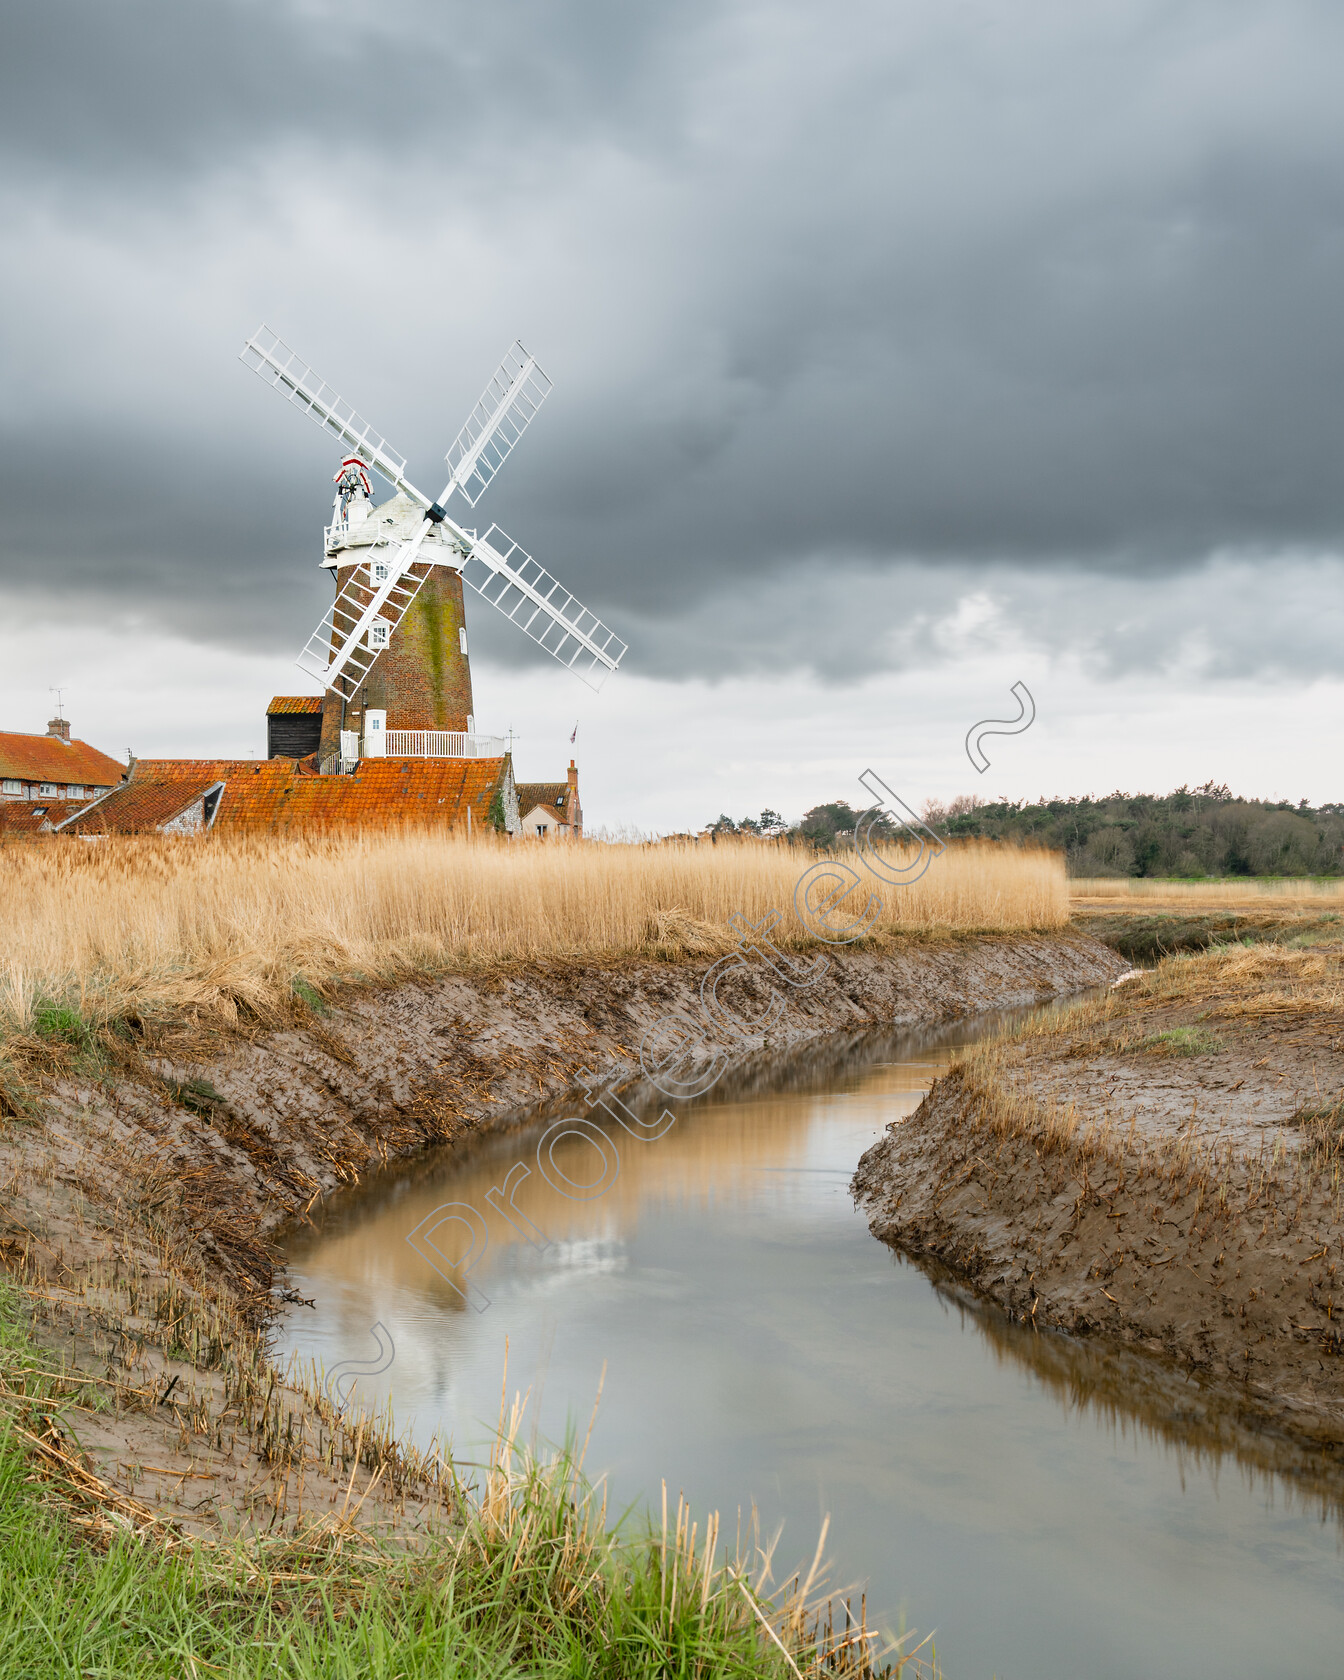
column 130, row 929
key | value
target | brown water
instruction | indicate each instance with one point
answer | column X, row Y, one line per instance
column 1051, row 1508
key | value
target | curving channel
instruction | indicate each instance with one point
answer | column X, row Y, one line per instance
column 1049, row 1507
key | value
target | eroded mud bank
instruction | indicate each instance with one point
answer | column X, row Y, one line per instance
column 1161, row 1166
column 249, row 1139
column 138, row 1206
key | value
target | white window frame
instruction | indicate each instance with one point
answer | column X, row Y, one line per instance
column 462, row 639
column 74, row 791
column 379, row 571
column 9, row 785
column 380, row 633
column 48, row 790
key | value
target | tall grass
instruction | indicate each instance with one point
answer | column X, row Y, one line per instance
column 531, row 1583
column 1191, row 894
column 135, row 926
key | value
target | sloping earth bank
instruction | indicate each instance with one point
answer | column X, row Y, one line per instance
column 1162, row 1165
column 140, row 1206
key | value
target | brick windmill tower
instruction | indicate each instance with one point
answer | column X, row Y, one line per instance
column 419, row 676
column 391, row 652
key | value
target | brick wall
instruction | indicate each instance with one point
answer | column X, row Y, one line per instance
column 422, row 679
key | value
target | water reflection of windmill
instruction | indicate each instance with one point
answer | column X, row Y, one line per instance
column 391, row 652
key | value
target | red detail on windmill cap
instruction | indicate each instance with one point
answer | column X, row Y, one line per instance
column 360, row 465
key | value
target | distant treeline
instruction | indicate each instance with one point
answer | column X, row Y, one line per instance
column 1190, row 833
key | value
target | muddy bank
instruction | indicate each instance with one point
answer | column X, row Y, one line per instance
column 249, row 1138
column 138, row 1205
column 1146, row 934
column 1161, row 1166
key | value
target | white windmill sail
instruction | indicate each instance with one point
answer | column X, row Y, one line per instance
column 272, row 360
column 525, row 592
column 371, row 604
column 506, row 409
column 358, row 625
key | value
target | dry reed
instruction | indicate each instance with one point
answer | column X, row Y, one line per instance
column 1190, row 895
column 139, row 927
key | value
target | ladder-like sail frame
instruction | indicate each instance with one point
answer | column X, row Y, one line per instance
column 497, row 568
column 505, row 574
column 507, row 408
column 271, row 359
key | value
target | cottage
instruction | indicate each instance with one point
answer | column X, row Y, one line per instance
column 551, row 810
column 45, row 768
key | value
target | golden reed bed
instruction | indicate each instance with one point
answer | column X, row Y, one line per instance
column 1191, row 895
column 148, row 925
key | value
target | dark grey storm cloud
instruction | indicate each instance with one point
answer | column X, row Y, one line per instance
column 955, row 296
column 129, row 96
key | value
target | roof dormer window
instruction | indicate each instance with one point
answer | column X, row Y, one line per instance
column 48, row 790
column 8, row 786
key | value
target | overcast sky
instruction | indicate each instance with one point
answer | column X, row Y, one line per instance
column 900, row 351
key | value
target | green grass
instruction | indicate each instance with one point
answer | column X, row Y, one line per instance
column 531, row 1585
column 200, row 1097
column 1182, row 1041
column 308, row 994
column 62, row 1025
column 68, row 1611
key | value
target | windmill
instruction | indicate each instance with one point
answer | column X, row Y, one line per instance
column 394, row 639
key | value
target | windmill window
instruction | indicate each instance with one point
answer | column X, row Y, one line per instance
column 379, row 570
column 378, row 634
column 462, row 639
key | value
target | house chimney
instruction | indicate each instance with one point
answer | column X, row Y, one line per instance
column 59, row 729
column 575, row 810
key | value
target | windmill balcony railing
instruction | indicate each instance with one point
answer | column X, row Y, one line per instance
column 442, row 743
column 413, row 743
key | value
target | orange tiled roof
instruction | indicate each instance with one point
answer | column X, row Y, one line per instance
column 140, row 806
column 283, row 703
column 42, row 758
column 278, row 795
column 32, row 816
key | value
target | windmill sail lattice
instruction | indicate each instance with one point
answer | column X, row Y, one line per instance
column 509, row 578
column 347, row 642
column 507, row 406
column 272, row 360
